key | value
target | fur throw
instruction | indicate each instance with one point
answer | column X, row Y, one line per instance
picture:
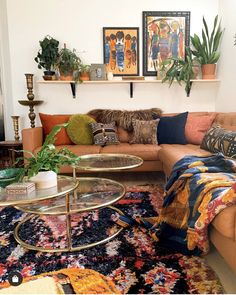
column 124, row 118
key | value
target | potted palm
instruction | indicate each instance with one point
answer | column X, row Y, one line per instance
column 43, row 167
column 47, row 56
column 180, row 70
column 68, row 63
column 207, row 49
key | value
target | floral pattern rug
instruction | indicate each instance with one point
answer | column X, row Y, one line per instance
column 132, row 260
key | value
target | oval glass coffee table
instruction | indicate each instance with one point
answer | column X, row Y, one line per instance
column 85, row 194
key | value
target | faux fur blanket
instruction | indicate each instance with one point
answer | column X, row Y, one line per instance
column 124, row 118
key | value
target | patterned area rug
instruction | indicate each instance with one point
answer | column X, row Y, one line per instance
column 132, row 260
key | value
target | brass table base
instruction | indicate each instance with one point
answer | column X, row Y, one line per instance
column 69, row 248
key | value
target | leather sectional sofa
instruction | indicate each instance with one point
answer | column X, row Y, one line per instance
column 161, row 158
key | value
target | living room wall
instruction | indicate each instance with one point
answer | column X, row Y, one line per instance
column 79, row 24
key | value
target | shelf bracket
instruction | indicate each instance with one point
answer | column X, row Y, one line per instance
column 73, row 89
column 189, row 90
column 131, row 89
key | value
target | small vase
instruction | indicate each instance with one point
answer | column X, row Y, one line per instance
column 109, row 76
column 44, row 179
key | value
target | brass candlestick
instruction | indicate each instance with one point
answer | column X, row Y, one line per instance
column 16, row 127
column 30, row 102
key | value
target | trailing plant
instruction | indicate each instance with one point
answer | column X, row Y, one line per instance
column 49, row 158
column 207, row 49
column 48, row 54
column 180, row 70
column 68, row 61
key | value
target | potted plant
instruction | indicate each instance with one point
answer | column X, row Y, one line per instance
column 207, row 49
column 68, row 63
column 43, row 167
column 180, row 70
column 47, row 56
column 84, row 74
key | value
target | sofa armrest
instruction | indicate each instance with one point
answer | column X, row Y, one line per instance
column 32, row 138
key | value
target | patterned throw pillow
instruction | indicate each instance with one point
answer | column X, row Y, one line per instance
column 104, row 134
column 145, row 131
column 218, row 140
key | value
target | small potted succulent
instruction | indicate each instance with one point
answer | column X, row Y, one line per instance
column 84, row 72
column 45, row 165
column 47, row 56
column 68, row 63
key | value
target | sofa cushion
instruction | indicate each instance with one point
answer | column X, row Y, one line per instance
column 171, row 153
column 196, row 127
column 220, row 140
column 49, row 121
column 145, row 131
column 79, row 129
column 171, row 129
column 148, row 152
column 104, row 134
column 123, row 135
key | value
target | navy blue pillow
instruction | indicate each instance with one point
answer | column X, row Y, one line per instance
column 172, row 129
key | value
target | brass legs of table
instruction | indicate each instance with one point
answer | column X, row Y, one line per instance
column 69, row 247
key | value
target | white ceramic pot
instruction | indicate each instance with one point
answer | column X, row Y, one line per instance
column 44, row 179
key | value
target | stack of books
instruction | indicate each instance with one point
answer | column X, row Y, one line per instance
column 133, row 78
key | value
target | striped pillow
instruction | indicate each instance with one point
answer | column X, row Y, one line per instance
column 104, row 134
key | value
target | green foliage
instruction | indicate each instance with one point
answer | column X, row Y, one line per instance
column 206, row 50
column 48, row 54
column 48, row 158
column 68, row 61
column 84, row 68
column 179, row 70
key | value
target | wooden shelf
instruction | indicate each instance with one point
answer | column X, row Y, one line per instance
column 119, row 81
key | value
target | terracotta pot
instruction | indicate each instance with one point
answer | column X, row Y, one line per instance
column 68, row 77
column 84, row 76
column 209, row 71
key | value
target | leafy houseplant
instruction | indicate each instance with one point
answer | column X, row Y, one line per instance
column 48, row 54
column 207, row 49
column 180, row 70
column 84, row 72
column 48, row 158
column 68, row 63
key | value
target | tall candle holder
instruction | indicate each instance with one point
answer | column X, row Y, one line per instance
column 16, row 127
column 30, row 102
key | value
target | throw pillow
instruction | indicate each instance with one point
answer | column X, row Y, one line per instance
column 104, row 134
column 49, row 121
column 79, row 130
column 145, row 131
column 172, row 129
column 197, row 126
column 218, row 139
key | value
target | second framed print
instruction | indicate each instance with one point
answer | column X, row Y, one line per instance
column 121, row 50
column 165, row 35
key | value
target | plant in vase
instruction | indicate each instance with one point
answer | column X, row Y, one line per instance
column 43, row 167
column 68, row 64
column 47, row 56
column 207, row 49
column 180, row 70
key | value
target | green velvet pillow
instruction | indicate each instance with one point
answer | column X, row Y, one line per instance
column 79, row 129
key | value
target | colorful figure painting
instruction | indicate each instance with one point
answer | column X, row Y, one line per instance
column 165, row 35
column 121, row 50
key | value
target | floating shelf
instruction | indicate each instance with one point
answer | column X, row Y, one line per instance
column 118, row 81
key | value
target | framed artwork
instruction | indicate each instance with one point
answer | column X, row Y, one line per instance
column 121, row 50
column 165, row 35
column 98, row 72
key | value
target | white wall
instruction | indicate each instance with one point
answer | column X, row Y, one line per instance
column 227, row 64
column 79, row 24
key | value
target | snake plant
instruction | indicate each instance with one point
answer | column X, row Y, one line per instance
column 207, row 49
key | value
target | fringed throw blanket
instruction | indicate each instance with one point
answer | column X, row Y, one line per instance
column 198, row 189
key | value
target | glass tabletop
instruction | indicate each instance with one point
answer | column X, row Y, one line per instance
column 108, row 162
column 91, row 193
column 65, row 184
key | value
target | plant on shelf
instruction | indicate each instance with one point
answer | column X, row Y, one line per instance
column 68, row 64
column 48, row 159
column 207, row 49
column 47, row 56
column 84, row 74
column 180, row 70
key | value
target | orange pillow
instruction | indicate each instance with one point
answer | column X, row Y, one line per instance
column 49, row 121
column 196, row 127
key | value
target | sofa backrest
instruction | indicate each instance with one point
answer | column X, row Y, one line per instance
column 226, row 120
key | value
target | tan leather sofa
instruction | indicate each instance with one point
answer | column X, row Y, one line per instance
column 161, row 158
